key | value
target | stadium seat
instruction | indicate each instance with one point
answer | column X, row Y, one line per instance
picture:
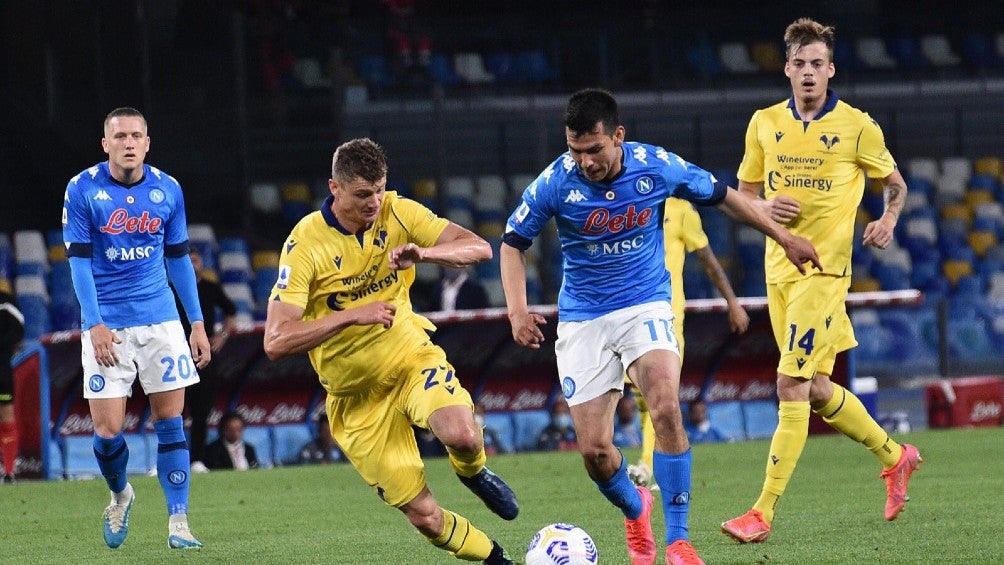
column 308, row 71
column 995, row 288
column 424, row 188
column 264, row 258
column 759, row 418
column 261, row 437
column 925, row 168
column 373, row 69
column 923, row 271
column 504, row 66
column 955, row 269
column 992, row 166
column 492, row 193
column 768, row 55
column 981, row 241
column 865, row 284
column 265, row 197
column 968, row 287
column 937, row 49
column 727, row 418
column 843, row 56
column 240, row 294
column 958, row 211
column 985, row 181
column 960, row 168
column 471, row 68
column 735, row 57
column 891, row 276
column 535, row 66
column 906, row 52
column 441, row 70
column 978, row 51
column 924, row 228
column 969, row 339
column 527, row 425
column 703, row 59
column 35, row 309
column 264, row 280
column 915, row 201
column 978, row 195
column 872, row 53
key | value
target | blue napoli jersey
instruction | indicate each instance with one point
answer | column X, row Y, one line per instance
column 613, row 254
column 124, row 230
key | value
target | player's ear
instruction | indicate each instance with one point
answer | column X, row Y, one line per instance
column 619, row 135
column 104, row 144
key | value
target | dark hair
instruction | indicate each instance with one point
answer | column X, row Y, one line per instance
column 588, row 107
column 804, row 31
column 124, row 111
column 360, row 158
column 231, row 415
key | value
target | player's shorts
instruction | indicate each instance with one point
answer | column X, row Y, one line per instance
column 374, row 430
column 158, row 354
column 593, row 355
column 810, row 323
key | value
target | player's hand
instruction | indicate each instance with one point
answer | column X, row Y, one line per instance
column 800, row 251
column 104, row 340
column 739, row 320
column 375, row 313
column 405, row 256
column 525, row 329
column 880, row 232
column 199, row 342
column 783, row 209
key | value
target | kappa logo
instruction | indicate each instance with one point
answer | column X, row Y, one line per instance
column 102, row 195
column 574, row 196
column 778, row 135
column 829, row 142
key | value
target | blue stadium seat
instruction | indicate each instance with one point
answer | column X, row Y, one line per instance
column 288, row 440
column 873, row 343
column 527, row 425
column 261, row 437
column 844, row 59
column 969, row 287
column 535, row 67
column 905, row 50
column 264, row 280
column 923, row 271
column 441, row 70
column 703, row 59
column 727, row 418
column 505, row 66
column 234, row 245
column 294, row 210
column 891, row 277
column 978, row 50
column 502, row 423
column 970, row 339
column 759, row 418
column 36, row 315
column 374, row 70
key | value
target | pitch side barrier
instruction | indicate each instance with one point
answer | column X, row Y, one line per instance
column 280, row 398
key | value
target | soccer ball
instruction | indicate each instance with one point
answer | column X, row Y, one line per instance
column 561, row 544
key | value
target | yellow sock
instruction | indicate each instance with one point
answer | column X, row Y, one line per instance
column 785, row 449
column 647, row 432
column 462, row 539
column 467, row 466
column 845, row 413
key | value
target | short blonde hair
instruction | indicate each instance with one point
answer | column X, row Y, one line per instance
column 804, row 31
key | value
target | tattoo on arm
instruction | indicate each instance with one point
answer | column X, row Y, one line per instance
column 895, row 198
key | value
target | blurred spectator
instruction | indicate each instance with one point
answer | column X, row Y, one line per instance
column 412, row 46
column 560, row 432
column 229, row 451
column 11, row 334
column 699, row 429
column 323, row 448
column 458, row 291
column 199, row 398
column 627, row 429
column 493, row 444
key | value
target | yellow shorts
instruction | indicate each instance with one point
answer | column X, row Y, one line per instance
column 374, row 430
column 810, row 323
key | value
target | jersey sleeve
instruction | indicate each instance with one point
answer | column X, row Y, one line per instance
column 536, row 207
column 423, row 225
column 751, row 168
column 689, row 182
column 692, row 232
column 76, row 214
column 176, row 228
column 873, row 156
column 296, row 272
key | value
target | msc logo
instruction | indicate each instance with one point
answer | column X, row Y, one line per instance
column 644, row 185
column 829, row 142
column 623, row 246
column 567, row 387
column 574, row 196
column 129, row 253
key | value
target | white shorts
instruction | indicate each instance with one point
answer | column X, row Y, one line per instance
column 594, row 354
column 158, row 354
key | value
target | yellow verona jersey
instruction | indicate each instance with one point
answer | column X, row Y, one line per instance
column 683, row 234
column 324, row 269
column 823, row 165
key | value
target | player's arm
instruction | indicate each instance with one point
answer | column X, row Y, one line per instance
column 742, row 208
column 781, row 209
column 525, row 324
column 879, row 233
column 286, row 333
column 457, row 247
column 182, row 275
column 739, row 320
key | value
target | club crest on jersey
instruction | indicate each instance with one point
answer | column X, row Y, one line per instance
column 829, row 142
column 156, row 196
column 644, row 185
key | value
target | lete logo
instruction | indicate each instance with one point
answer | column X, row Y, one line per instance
column 120, row 221
column 985, row 411
column 601, row 220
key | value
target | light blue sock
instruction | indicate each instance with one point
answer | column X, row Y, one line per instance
column 672, row 474
column 621, row 492
column 173, row 464
column 113, row 456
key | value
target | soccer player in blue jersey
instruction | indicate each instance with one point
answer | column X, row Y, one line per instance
column 125, row 233
column 607, row 196
column 809, row 156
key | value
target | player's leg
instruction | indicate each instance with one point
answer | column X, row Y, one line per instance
column 452, row 532
column 165, row 369
column 106, row 390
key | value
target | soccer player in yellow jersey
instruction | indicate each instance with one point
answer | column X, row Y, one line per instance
column 682, row 234
column 342, row 297
column 809, row 156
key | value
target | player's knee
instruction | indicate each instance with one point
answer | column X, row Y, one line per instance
column 464, row 439
column 596, row 454
column 428, row 521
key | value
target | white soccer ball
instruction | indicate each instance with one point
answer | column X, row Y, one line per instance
column 561, row 544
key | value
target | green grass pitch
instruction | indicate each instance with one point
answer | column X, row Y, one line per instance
column 831, row 512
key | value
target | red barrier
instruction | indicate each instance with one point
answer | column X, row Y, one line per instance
column 966, row 402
